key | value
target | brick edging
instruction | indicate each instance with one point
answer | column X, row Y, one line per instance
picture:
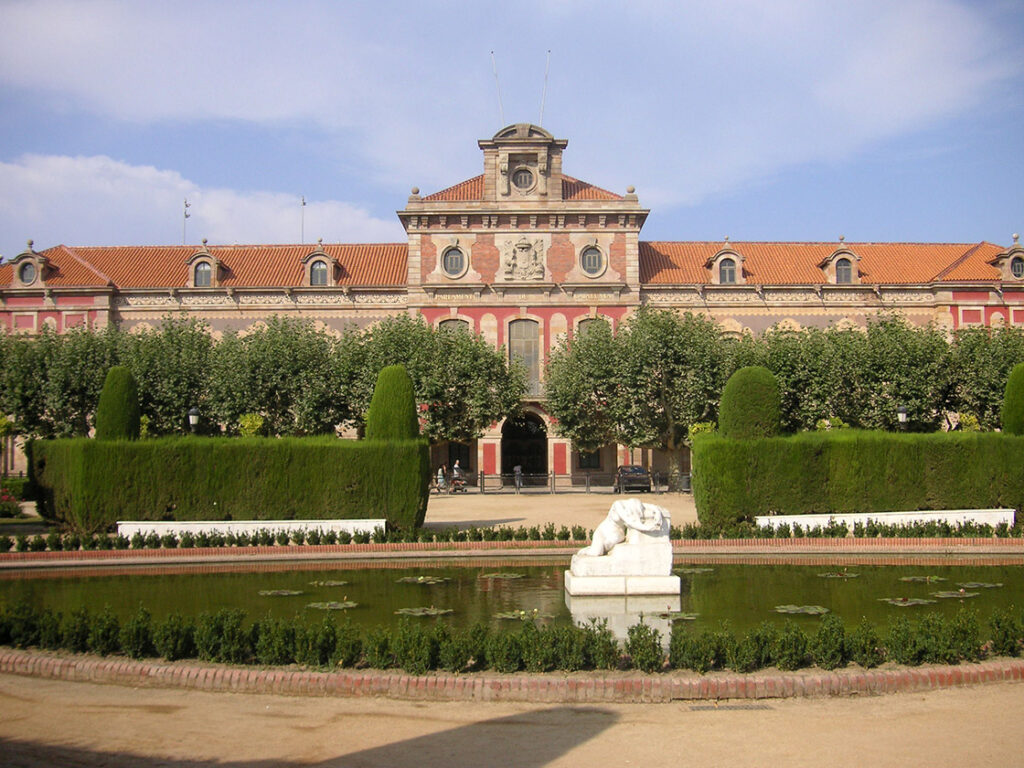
column 592, row 687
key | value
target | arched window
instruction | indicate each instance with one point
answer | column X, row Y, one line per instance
column 844, row 271
column 453, row 262
column 202, row 275
column 318, row 273
column 453, row 325
column 583, row 325
column 727, row 272
column 592, row 261
column 524, row 346
column 1017, row 266
column 27, row 273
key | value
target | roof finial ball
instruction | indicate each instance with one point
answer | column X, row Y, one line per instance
column 842, row 238
column 726, row 238
column 204, row 241
column 415, row 190
column 1016, row 239
column 33, row 242
column 630, row 189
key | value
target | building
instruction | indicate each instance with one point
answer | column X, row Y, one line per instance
column 522, row 254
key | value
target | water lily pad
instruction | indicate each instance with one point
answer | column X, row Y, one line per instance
column 424, row 611
column 689, row 571
column 838, row 575
column 955, row 593
column 905, row 602
column 810, row 610
column 978, row 585
column 423, row 580
column 922, row 579
column 502, row 575
column 280, row 592
column 328, row 583
column 332, row 605
column 679, row 616
column 522, row 615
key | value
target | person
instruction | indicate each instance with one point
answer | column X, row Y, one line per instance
column 517, row 471
column 441, row 480
column 457, row 471
column 458, row 478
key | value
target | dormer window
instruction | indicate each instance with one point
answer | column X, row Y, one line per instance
column 202, row 275
column 844, row 271
column 522, row 178
column 27, row 273
column 1017, row 267
column 727, row 272
column 318, row 272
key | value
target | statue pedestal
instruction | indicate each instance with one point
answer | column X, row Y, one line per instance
column 621, row 585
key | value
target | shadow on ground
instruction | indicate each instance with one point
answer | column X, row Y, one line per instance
column 528, row 740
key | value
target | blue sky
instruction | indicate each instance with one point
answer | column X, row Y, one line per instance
column 788, row 120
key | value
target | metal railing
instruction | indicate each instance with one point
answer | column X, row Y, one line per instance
column 591, row 482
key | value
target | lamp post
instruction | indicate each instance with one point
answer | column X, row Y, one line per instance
column 901, row 415
column 193, row 419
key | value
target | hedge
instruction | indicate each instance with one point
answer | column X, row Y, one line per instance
column 751, row 405
column 117, row 413
column 1013, row 402
column 854, row 471
column 88, row 485
column 392, row 412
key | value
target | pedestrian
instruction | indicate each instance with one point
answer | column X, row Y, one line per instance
column 517, row 472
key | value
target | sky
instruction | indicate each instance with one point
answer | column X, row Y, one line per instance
column 792, row 120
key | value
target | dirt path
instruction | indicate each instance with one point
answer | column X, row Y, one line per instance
column 47, row 723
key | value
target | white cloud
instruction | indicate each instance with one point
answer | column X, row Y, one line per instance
column 99, row 201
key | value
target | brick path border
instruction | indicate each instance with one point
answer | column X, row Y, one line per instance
column 589, row 688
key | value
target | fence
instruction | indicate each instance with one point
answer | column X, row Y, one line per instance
column 596, row 482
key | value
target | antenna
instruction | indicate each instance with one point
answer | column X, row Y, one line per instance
column 302, row 226
column 501, row 109
column 544, row 95
column 184, row 219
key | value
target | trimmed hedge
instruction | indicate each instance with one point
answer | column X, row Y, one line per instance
column 89, row 484
column 392, row 412
column 854, row 471
column 117, row 413
column 751, row 406
column 1013, row 402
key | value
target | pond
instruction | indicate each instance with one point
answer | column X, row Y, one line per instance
column 495, row 591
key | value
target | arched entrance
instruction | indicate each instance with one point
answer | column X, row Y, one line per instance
column 524, row 441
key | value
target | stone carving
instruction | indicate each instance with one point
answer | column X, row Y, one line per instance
column 630, row 554
column 523, row 260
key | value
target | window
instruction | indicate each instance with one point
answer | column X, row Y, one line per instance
column 727, row 272
column 318, row 273
column 592, row 261
column 590, row 459
column 584, row 325
column 1016, row 266
column 453, row 325
column 453, row 262
column 27, row 273
column 202, row 274
column 524, row 346
column 844, row 271
column 522, row 178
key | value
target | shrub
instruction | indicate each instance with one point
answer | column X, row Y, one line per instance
column 863, row 645
column 392, row 413
column 756, row 649
column 275, row 641
column 828, row 646
column 221, row 637
column 75, row 630
column 600, row 646
column 104, row 633
column 37, row 544
column 348, row 646
column 963, row 636
column 503, row 652
column 415, row 648
column 643, row 645
column 377, row 648
column 791, row 652
column 6, row 542
column 174, row 637
column 687, row 650
column 250, row 425
column 21, row 625
column 50, row 635
column 1013, row 402
column 901, row 643
column 751, row 405
column 117, row 412
column 537, row 648
column 1007, row 632
column 137, row 635
column 315, row 645
column 53, row 542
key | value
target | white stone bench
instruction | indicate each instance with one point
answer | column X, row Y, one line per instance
column 992, row 517
column 129, row 528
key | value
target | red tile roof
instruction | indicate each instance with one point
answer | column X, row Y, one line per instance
column 668, row 263
column 163, row 266
column 472, row 190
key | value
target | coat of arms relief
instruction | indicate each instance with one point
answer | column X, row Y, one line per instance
column 523, row 259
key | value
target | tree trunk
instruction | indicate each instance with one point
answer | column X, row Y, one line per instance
column 674, row 454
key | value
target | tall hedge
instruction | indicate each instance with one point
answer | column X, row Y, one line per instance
column 1013, row 402
column 392, row 413
column 854, row 471
column 91, row 484
column 751, row 406
column 117, row 413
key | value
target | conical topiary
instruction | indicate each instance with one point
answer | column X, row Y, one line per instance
column 751, row 406
column 117, row 414
column 392, row 414
column 1013, row 402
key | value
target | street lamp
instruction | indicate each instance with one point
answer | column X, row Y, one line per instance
column 193, row 419
column 901, row 415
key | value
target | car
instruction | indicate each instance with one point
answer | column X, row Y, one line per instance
column 632, row 477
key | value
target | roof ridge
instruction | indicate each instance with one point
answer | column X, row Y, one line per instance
column 956, row 262
column 71, row 251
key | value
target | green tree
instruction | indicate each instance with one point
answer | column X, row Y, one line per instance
column 750, row 404
column 25, row 362
column 75, row 377
column 392, row 414
column 117, row 414
column 1013, row 402
column 171, row 365
column 978, row 364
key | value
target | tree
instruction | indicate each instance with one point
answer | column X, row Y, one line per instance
column 1013, row 402
column 750, row 404
column 117, row 414
column 978, row 364
column 392, row 413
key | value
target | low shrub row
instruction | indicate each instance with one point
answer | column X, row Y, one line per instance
column 15, row 486
column 854, row 471
column 868, row 530
column 264, row 537
column 227, row 636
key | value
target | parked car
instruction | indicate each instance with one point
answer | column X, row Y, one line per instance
column 632, row 477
